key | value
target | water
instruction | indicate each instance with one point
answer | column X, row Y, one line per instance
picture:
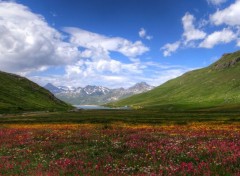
column 96, row 107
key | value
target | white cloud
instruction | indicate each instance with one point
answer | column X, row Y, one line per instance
column 190, row 35
column 88, row 67
column 229, row 16
column 96, row 63
column 193, row 37
column 149, row 37
column 216, row 2
column 218, row 37
column 238, row 42
column 89, row 40
column 170, row 48
column 28, row 43
column 143, row 34
column 190, row 32
column 153, row 73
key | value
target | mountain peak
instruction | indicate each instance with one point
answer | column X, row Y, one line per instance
column 49, row 85
column 142, row 83
column 52, row 88
column 139, row 87
column 226, row 61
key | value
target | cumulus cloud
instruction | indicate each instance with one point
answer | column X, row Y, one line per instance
column 194, row 37
column 229, row 16
column 189, row 36
column 27, row 42
column 218, row 37
column 143, row 34
column 89, row 40
column 96, row 63
column 151, row 72
column 170, row 48
column 216, row 2
column 89, row 67
column 190, row 31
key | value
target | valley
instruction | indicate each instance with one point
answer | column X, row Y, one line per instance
column 149, row 139
column 119, row 88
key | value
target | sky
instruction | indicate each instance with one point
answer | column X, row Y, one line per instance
column 114, row 43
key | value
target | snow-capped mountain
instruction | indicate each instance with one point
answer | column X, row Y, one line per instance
column 95, row 94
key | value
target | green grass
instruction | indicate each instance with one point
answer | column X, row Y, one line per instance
column 216, row 86
column 18, row 94
column 125, row 116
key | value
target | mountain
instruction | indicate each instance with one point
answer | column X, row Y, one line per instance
column 52, row 88
column 95, row 94
column 20, row 94
column 140, row 88
column 216, row 87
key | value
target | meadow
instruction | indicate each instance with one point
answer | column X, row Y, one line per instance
column 110, row 142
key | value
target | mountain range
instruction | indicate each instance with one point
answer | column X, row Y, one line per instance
column 214, row 87
column 95, row 94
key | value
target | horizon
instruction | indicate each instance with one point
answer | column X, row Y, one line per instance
column 114, row 43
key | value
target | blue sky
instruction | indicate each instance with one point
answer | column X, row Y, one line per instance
column 114, row 43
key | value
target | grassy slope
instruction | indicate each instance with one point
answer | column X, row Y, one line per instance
column 215, row 86
column 20, row 94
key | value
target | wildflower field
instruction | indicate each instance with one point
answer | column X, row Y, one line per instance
column 120, row 148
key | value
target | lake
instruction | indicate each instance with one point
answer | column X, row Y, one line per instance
column 96, row 107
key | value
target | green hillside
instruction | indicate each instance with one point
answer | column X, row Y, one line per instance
column 216, row 86
column 19, row 94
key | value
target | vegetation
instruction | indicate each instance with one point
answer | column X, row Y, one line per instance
column 123, row 116
column 120, row 149
column 199, row 133
column 120, row 142
column 18, row 94
column 214, row 87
